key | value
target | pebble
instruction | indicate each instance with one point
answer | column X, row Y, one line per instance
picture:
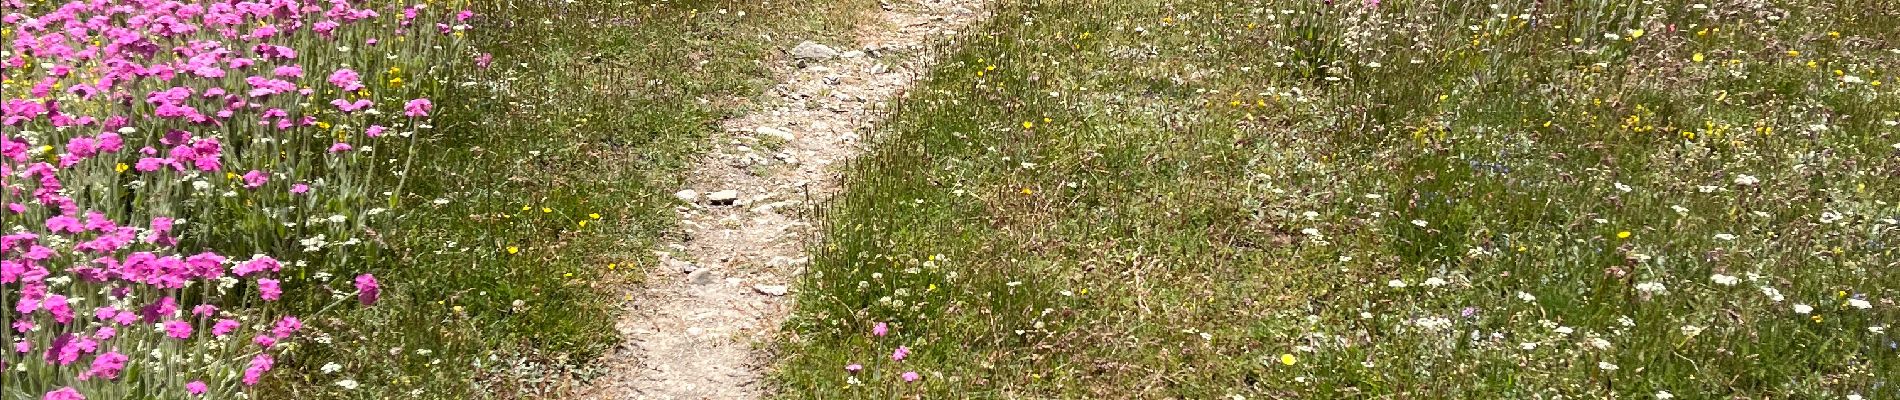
column 772, row 290
column 687, row 195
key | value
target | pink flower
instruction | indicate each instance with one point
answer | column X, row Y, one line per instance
column 269, row 289
column 108, row 365
column 880, row 329
column 178, row 329
column 374, row 131
column 418, row 108
column 367, row 289
column 287, row 326
column 299, row 188
column 902, row 351
column 196, row 388
column 259, row 365
column 339, row 147
column 349, row 106
column 224, row 327
column 911, row 376
column 853, row 368
column 255, row 178
column 66, row 393
column 346, row 79
column 259, row 264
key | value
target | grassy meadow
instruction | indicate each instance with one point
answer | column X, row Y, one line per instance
column 1374, row 199
column 549, row 184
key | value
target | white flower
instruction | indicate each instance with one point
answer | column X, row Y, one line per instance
column 1622, row 187
column 1877, row 329
column 1606, row 366
column 1860, row 304
column 1664, row 395
column 330, row 368
column 1600, row 343
column 1772, row 294
column 1854, row 396
column 1565, row 330
column 1725, row 280
column 1652, row 287
column 1803, row 309
column 1526, row 297
column 1434, row 282
column 1707, row 189
column 1691, row 330
column 1419, row 222
column 347, row 384
column 1829, row 217
column 1724, row 236
column 1852, row 79
column 1527, row 345
column 1746, row 180
column 1395, row 283
column 1680, row 209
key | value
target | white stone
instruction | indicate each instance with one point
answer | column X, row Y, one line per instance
column 687, row 195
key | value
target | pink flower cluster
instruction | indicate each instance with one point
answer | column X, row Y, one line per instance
column 120, row 119
column 882, row 329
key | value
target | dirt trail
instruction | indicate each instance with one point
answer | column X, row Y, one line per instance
column 695, row 331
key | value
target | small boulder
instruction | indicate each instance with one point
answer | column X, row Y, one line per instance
column 812, row 51
column 688, row 195
column 723, row 197
column 776, row 132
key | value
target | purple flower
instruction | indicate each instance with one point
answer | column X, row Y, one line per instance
column 853, row 368
column 339, row 147
column 902, row 351
column 911, row 376
column 299, row 188
column 880, row 329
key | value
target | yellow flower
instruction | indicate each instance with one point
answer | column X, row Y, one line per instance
column 1623, row 235
column 1697, row 57
column 1636, row 33
column 1794, row 53
column 1288, row 359
column 1026, row 191
column 583, row 223
column 594, row 215
column 121, row 167
column 546, row 210
column 1029, row 125
column 513, row 250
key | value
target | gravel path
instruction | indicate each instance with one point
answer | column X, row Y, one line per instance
column 697, row 330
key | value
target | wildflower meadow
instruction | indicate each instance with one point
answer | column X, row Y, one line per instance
column 1166, row 199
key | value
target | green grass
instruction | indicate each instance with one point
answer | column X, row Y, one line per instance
column 548, row 188
column 1287, row 199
